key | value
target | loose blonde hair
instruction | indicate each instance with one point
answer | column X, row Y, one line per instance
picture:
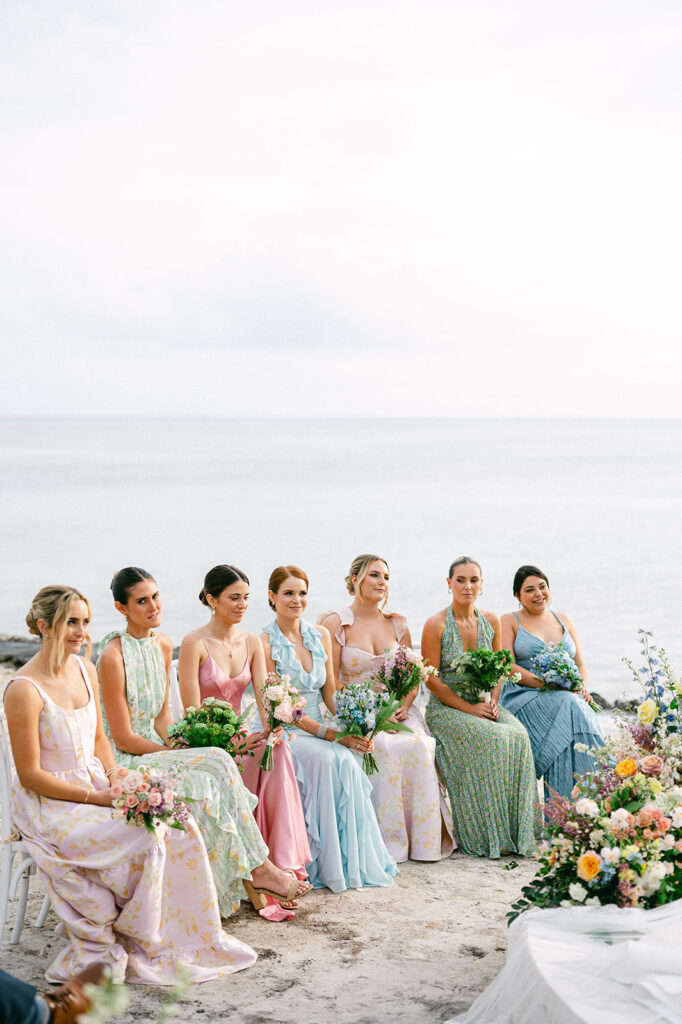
column 359, row 567
column 53, row 605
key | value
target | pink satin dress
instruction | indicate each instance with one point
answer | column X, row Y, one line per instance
column 279, row 813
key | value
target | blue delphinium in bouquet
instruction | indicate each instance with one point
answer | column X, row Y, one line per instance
column 364, row 712
column 558, row 671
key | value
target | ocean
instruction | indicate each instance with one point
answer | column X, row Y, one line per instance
column 597, row 504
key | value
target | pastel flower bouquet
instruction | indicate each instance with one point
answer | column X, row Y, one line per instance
column 364, row 712
column 401, row 672
column 558, row 671
column 147, row 796
column 283, row 705
column 619, row 840
column 478, row 673
column 214, row 724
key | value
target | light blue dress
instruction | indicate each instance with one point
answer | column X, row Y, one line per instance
column 346, row 845
column 555, row 720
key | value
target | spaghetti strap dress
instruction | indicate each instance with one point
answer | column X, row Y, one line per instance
column 487, row 765
column 345, row 842
column 223, row 806
column 143, row 902
column 278, row 813
column 409, row 800
column 556, row 720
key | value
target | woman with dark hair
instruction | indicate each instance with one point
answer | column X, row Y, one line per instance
column 347, row 849
column 556, row 720
column 220, row 660
column 409, row 801
column 482, row 752
column 144, row 903
column 133, row 671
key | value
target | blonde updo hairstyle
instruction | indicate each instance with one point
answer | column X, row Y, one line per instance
column 358, row 568
column 53, row 605
column 282, row 573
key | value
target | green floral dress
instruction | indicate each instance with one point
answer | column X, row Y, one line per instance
column 223, row 806
column 487, row 766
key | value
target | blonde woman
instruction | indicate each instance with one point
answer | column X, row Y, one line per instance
column 108, row 880
column 410, row 804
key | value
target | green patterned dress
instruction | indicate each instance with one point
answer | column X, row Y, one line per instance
column 487, row 766
column 223, row 806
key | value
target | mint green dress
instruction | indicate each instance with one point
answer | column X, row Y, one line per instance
column 487, row 766
column 222, row 805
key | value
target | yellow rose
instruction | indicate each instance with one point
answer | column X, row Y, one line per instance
column 589, row 866
column 647, row 711
column 626, row 767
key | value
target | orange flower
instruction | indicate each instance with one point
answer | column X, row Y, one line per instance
column 626, row 767
column 589, row 866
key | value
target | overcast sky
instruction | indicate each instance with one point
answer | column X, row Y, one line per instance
column 391, row 208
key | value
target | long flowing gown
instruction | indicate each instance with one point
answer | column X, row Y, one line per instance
column 279, row 814
column 223, row 806
column 487, row 765
column 144, row 903
column 346, row 845
column 409, row 801
column 555, row 720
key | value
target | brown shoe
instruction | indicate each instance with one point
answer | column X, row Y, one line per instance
column 68, row 1001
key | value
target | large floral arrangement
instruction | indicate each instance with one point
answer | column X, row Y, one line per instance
column 558, row 671
column 148, row 796
column 619, row 839
column 364, row 712
column 282, row 704
column 214, row 724
column 478, row 673
column 401, row 671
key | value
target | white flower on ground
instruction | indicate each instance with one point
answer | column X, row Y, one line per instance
column 577, row 892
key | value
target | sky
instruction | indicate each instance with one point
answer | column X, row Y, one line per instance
column 358, row 208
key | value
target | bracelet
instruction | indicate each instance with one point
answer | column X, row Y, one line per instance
column 322, row 731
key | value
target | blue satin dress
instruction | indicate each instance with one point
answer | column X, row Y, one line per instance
column 345, row 841
column 555, row 720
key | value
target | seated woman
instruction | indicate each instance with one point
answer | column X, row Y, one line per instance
column 412, row 811
column 347, row 849
column 555, row 719
column 220, row 660
column 144, row 903
column 133, row 671
column 483, row 753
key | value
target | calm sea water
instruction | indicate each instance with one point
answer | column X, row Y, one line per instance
column 596, row 504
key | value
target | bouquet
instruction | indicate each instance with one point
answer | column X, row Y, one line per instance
column 619, row 839
column 214, row 724
column 147, row 796
column 282, row 704
column 401, row 671
column 478, row 673
column 364, row 712
column 558, row 671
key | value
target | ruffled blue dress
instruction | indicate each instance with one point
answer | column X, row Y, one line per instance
column 555, row 720
column 345, row 841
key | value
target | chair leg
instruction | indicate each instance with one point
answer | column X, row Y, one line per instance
column 44, row 911
column 6, row 858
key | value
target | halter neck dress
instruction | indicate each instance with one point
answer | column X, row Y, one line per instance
column 555, row 719
column 143, row 902
column 223, row 806
column 487, row 765
column 409, row 800
column 346, row 845
column 278, row 814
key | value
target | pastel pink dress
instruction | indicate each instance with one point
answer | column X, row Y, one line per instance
column 279, row 813
column 409, row 800
column 144, row 903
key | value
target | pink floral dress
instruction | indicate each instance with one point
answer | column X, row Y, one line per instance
column 410, row 803
column 144, row 903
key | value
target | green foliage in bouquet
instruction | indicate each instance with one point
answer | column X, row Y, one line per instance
column 214, row 724
column 480, row 671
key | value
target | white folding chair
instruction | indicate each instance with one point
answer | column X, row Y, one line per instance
column 13, row 877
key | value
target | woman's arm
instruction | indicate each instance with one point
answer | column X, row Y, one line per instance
column 431, row 641
column 510, row 628
column 112, row 681
column 23, row 705
column 189, row 663
column 331, row 624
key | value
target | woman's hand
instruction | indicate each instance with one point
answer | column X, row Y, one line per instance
column 485, row 710
column 360, row 744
